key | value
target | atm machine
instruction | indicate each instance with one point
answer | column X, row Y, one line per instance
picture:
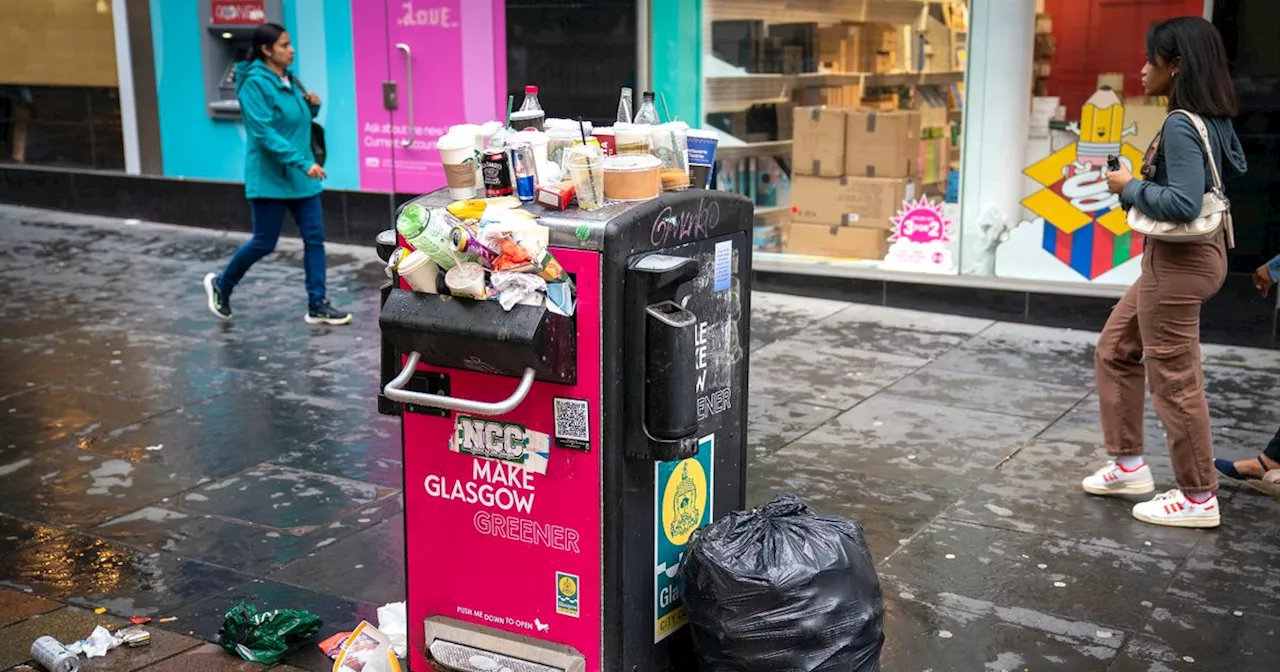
column 226, row 40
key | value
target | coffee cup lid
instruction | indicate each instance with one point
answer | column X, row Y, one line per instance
column 452, row 141
column 630, row 162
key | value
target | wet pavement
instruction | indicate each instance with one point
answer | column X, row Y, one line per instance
column 156, row 463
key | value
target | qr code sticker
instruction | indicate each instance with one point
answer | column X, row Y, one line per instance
column 573, row 428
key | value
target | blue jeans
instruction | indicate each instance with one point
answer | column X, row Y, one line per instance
column 268, row 220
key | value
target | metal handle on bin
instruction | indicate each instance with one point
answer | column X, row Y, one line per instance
column 408, row 88
column 395, row 391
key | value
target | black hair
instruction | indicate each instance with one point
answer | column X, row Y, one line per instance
column 1203, row 84
column 265, row 35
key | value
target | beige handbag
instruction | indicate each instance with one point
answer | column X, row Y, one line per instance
column 1215, row 209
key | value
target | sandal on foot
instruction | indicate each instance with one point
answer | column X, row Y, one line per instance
column 1268, row 484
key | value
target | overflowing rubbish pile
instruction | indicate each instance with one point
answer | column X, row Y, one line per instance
column 485, row 249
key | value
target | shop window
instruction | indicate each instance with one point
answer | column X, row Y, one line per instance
column 1086, row 104
column 842, row 122
column 577, row 54
column 60, row 105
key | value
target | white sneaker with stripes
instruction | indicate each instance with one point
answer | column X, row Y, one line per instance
column 1175, row 510
column 1114, row 480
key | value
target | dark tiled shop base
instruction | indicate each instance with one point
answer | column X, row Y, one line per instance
column 350, row 216
column 1237, row 316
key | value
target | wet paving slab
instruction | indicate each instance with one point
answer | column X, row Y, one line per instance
column 1026, row 352
column 834, row 377
column 892, row 511
column 958, row 634
column 1044, row 575
column 891, row 331
column 70, row 487
column 50, row 417
column 1181, row 635
column 775, row 316
column 367, row 566
column 154, row 461
column 284, row 498
column 91, row 572
column 1022, row 398
column 772, row 423
column 902, row 439
column 1025, row 496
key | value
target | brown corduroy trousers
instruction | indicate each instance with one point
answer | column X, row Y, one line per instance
column 1158, row 322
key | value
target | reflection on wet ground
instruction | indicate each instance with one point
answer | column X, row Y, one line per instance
column 155, row 462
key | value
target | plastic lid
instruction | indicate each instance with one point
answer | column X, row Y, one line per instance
column 452, row 141
column 708, row 133
column 631, row 162
column 648, row 95
column 530, row 90
column 412, row 262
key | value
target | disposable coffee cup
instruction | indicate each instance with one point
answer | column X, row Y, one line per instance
column 458, row 154
column 702, row 156
column 478, row 132
column 419, row 271
column 671, row 144
column 632, row 138
column 608, row 141
column 466, row 280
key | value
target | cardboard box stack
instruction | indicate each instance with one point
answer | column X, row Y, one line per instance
column 849, row 95
column 935, row 139
column 818, row 144
column 852, row 171
column 859, row 47
column 882, row 144
column 880, row 44
column 1045, row 46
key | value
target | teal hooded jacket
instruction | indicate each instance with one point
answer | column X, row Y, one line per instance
column 277, row 125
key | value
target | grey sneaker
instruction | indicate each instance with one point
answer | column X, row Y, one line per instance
column 219, row 302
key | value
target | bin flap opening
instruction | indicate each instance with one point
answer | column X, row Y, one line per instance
column 480, row 336
column 463, row 647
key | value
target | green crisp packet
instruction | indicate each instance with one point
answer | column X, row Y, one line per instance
column 266, row 637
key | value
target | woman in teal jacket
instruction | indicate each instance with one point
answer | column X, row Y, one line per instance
column 280, row 173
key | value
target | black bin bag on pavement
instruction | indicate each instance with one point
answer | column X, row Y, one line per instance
column 783, row 588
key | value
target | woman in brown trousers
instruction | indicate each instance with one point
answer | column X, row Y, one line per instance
column 1154, row 332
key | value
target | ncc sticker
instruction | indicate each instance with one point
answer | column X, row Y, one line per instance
column 568, row 598
column 573, row 426
column 508, row 442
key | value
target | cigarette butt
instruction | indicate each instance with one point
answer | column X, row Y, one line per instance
column 100, row 610
column 168, row 619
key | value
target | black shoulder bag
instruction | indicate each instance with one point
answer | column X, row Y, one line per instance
column 317, row 131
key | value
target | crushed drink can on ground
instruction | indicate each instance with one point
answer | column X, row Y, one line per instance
column 53, row 656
